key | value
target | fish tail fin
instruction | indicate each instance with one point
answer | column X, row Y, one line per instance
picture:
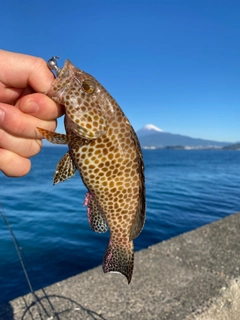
column 119, row 257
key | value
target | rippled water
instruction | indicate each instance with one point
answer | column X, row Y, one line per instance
column 185, row 189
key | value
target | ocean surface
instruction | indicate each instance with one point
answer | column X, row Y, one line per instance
column 185, row 190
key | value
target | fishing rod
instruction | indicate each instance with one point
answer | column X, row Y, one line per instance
column 22, row 256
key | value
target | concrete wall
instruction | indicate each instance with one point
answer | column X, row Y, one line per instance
column 192, row 276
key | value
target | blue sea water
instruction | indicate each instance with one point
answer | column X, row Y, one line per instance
column 185, row 190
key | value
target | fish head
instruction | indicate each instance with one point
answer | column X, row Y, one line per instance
column 81, row 94
column 71, row 77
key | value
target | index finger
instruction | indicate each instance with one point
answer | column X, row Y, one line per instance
column 20, row 70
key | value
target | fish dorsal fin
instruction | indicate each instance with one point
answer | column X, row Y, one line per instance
column 96, row 217
column 140, row 216
column 139, row 220
column 53, row 137
column 65, row 169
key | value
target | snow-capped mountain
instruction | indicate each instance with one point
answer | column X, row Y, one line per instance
column 152, row 136
column 148, row 129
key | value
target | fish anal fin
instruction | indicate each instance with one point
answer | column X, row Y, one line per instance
column 54, row 137
column 96, row 217
column 119, row 257
column 65, row 169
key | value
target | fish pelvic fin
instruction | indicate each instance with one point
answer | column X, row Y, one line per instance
column 65, row 169
column 119, row 257
column 96, row 217
column 53, row 137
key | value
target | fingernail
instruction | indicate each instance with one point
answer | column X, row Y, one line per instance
column 2, row 115
column 31, row 107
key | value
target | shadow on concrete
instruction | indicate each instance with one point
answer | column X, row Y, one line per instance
column 59, row 308
column 51, row 307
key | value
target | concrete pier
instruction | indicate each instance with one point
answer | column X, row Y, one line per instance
column 193, row 276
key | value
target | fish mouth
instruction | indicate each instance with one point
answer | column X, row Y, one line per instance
column 67, row 70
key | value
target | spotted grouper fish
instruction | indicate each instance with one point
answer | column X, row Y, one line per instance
column 105, row 150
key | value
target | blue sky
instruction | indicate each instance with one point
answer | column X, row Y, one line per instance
column 173, row 63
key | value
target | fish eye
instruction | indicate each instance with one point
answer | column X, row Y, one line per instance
column 88, row 86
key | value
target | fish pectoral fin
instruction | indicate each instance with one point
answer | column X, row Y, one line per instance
column 91, row 125
column 65, row 169
column 96, row 217
column 53, row 137
column 119, row 258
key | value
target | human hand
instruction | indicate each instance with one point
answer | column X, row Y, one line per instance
column 23, row 108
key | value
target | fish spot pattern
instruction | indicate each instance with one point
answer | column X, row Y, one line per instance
column 105, row 149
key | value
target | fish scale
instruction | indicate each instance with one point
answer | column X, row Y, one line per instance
column 105, row 150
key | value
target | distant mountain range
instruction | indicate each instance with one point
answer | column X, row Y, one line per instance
column 151, row 137
column 235, row 146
